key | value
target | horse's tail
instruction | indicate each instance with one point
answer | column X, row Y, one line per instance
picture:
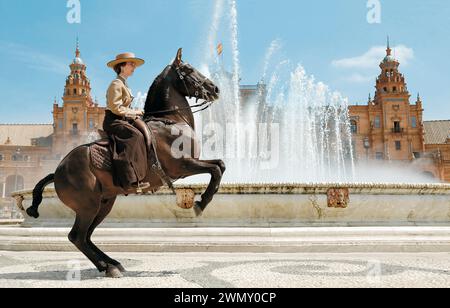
column 37, row 195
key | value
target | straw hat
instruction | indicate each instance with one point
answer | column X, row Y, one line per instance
column 126, row 57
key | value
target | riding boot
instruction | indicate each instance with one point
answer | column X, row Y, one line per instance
column 141, row 187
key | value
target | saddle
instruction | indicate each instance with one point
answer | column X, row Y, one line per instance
column 102, row 156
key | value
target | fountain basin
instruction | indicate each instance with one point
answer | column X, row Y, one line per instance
column 268, row 205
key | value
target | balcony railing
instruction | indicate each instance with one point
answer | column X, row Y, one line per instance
column 398, row 130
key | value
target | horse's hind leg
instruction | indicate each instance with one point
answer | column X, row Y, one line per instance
column 78, row 236
column 113, row 265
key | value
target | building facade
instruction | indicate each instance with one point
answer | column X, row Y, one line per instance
column 390, row 127
column 437, row 141
column 22, row 150
column 30, row 152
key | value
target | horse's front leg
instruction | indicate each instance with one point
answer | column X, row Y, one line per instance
column 220, row 164
column 193, row 167
column 217, row 162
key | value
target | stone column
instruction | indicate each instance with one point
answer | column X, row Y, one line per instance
column 3, row 190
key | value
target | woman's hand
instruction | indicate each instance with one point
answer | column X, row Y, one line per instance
column 139, row 114
column 134, row 115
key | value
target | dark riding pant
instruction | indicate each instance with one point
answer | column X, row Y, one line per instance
column 129, row 150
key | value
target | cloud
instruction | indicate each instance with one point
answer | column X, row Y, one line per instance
column 33, row 58
column 374, row 56
column 359, row 78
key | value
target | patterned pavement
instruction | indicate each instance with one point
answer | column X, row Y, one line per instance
column 220, row 270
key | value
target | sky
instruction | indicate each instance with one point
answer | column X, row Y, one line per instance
column 333, row 40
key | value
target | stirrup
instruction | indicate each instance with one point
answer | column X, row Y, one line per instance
column 142, row 186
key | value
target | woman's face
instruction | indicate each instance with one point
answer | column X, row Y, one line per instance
column 128, row 69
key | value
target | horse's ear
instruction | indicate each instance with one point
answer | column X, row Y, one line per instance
column 178, row 58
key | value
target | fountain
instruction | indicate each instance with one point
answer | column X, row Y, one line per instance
column 290, row 163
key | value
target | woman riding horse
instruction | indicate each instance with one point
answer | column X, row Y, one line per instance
column 88, row 189
column 125, row 128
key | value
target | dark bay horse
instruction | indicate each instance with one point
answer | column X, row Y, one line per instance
column 91, row 192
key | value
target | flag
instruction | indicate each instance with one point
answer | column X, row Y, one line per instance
column 220, row 49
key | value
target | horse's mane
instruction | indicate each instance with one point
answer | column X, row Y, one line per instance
column 154, row 95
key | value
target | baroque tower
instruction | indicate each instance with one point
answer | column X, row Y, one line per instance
column 77, row 121
column 389, row 128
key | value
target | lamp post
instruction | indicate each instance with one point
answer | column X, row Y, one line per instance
column 18, row 156
column 2, row 197
column 367, row 147
column 3, row 185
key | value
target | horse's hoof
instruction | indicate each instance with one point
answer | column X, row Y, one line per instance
column 113, row 272
column 121, row 268
column 33, row 212
column 198, row 209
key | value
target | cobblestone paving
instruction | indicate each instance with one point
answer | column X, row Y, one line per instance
column 205, row 270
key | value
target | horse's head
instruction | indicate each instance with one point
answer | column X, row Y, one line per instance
column 191, row 83
column 184, row 80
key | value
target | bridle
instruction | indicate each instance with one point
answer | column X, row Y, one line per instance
column 198, row 89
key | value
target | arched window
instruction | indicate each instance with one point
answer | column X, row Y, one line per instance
column 1, row 157
column 74, row 91
column 354, row 126
column 394, row 89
